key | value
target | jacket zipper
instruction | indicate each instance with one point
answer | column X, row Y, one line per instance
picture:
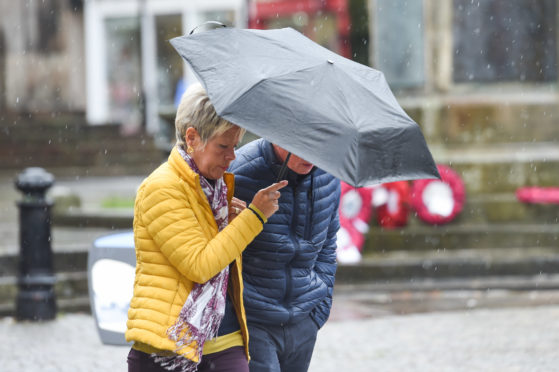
column 295, row 242
column 310, row 211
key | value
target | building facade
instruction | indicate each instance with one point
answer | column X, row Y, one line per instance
column 42, row 64
column 480, row 77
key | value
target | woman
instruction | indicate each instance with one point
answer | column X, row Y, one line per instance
column 189, row 234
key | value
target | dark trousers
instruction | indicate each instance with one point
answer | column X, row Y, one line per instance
column 285, row 348
column 229, row 360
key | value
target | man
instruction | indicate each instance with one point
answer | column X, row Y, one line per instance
column 289, row 268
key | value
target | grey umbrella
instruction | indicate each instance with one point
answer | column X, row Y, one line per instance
column 336, row 113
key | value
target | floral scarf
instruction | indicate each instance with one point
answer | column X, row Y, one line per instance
column 204, row 308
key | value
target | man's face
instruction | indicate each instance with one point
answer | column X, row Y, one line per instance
column 295, row 163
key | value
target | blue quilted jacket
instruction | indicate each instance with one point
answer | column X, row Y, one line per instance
column 289, row 268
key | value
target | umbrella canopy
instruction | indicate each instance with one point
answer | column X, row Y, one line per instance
column 333, row 112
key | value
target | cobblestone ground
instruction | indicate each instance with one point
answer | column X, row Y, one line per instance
column 518, row 339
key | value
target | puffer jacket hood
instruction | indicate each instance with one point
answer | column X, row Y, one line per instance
column 289, row 268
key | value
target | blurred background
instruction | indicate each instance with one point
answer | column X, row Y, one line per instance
column 88, row 90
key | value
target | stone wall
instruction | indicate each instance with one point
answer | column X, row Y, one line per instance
column 42, row 58
column 66, row 141
column 496, row 125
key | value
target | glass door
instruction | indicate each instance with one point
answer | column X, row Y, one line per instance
column 123, row 73
column 134, row 75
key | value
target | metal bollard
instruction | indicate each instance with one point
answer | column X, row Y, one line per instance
column 36, row 298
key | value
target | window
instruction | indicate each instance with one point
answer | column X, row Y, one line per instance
column 398, row 41
column 504, row 40
column 134, row 75
column 123, row 71
column 169, row 62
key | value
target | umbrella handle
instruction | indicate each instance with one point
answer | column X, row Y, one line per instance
column 216, row 23
column 283, row 169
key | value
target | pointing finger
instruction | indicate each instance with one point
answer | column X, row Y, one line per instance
column 276, row 186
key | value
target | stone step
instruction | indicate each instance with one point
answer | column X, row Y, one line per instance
column 501, row 168
column 71, row 294
column 487, row 221
column 505, row 208
column 398, row 266
column 70, row 262
column 120, row 219
column 397, row 270
column 463, row 236
column 471, row 118
column 67, row 141
column 485, row 209
column 71, row 288
column 494, row 209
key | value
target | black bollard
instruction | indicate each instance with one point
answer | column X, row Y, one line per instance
column 36, row 298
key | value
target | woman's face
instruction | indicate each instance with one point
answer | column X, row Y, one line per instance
column 213, row 159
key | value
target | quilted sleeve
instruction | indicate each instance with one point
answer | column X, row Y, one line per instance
column 169, row 218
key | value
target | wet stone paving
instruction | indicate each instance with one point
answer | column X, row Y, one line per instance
column 405, row 331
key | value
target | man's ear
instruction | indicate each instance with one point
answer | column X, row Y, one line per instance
column 280, row 152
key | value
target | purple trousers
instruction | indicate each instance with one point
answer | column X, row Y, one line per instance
column 229, row 360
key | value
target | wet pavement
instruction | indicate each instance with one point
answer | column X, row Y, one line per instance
column 519, row 338
column 354, row 302
column 514, row 339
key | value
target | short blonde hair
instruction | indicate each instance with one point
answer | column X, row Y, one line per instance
column 196, row 110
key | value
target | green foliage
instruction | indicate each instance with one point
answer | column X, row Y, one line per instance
column 117, row 202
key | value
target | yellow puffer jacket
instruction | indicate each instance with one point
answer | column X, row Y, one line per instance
column 178, row 244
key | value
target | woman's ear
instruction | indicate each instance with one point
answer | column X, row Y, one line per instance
column 191, row 137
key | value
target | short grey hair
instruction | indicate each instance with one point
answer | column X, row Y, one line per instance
column 196, row 110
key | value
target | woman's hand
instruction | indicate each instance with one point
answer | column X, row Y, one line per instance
column 235, row 207
column 267, row 199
